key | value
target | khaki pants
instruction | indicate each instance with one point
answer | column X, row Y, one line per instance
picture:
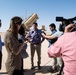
column 57, row 61
column 38, row 50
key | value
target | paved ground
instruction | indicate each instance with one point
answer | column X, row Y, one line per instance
column 45, row 62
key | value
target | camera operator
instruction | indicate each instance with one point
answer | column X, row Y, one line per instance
column 62, row 27
column 65, row 47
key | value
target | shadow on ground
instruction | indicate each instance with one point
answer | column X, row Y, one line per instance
column 35, row 71
column 43, row 70
column 3, row 73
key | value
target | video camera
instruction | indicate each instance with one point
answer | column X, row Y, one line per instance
column 65, row 22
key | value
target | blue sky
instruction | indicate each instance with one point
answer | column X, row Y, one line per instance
column 47, row 10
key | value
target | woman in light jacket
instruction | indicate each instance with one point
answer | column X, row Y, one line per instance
column 13, row 47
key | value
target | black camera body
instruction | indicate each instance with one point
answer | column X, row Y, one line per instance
column 65, row 22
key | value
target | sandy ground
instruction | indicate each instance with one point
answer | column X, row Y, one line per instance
column 46, row 62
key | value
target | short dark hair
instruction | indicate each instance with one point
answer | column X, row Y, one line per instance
column 35, row 23
column 53, row 25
